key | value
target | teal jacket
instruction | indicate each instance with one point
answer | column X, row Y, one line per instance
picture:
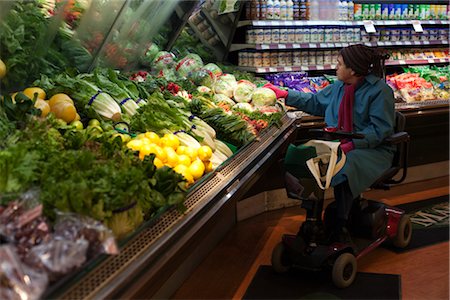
column 373, row 116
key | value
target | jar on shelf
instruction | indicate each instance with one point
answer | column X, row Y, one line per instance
column 251, row 58
column 356, row 34
column 202, row 26
column 296, row 58
column 349, row 32
column 250, row 36
column 208, row 33
column 274, row 59
column 327, row 57
column 259, row 35
column 267, row 36
column 343, row 34
column 311, row 57
column 320, row 34
column 307, row 34
column 304, row 58
column 284, row 35
column 328, row 35
column 257, row 59
column 319, row 58
column 266, row 59
column 314, row 34
column 385, row 35
column 434, row 34
column 336, row 34
column 299, row 35
column 288, row 58
column 405, row 34
column 214, row 40
column 243, row 59
column 291, row 34
column 275, row 35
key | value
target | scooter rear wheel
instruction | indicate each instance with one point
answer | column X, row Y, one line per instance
column 280, row 260
column 404, row 232
column 344, row 270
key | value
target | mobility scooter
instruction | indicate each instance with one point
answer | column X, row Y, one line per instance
column 370, row 223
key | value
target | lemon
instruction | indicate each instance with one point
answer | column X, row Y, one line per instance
column 135, row 144
column 191, row 152
column 160, row 153
column 183, row 159
column 181, row 149
column 172, row 158
column 64, row 110
column 43, row 106
column 170, row 140
column 29, row 92
column 204, row 153
column 2, row 69
column 188, row 176
column 197, row 169
column 208, row 166
column 145, row 150
column 158, row 163
column 153, row 137
column 180, row 169
column 59, row 98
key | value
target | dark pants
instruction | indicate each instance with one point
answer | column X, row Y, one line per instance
column 344, row 200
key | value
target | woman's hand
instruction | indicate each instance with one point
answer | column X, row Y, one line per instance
column 278, row 92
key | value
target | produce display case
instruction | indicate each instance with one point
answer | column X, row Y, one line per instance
column 153, row 258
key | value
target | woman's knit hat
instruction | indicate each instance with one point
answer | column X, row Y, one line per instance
column 362, row 59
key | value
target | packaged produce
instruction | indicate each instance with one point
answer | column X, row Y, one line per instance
column 203, row 77
column 243, row 91
column 187, row 65
column 163, row 60
column 215, row 70
column 149, row 55
column 19, row 281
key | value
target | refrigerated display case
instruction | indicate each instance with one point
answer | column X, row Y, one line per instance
column 155, row 258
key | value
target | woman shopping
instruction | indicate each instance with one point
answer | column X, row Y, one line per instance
column 361, row 102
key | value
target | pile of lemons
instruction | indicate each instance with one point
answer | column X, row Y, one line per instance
column 61, row 105
column 188, row 161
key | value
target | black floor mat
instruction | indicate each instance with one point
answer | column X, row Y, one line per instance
column 298, row 284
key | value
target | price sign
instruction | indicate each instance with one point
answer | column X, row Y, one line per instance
column 281, row 46
column 417, row 26
column 369, row 26
column 311, row 45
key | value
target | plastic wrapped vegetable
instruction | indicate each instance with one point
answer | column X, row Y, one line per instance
column 214, row 69
column 163, row 60
column 226, row 85
column 244, row 91
column 150, row 54
column 17, row 280
column 195, row 57
column 264, row 97
column 186, row 66
column 203, row 77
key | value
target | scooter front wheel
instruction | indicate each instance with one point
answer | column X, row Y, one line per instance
column 404, row 232
column 280, row 259
column 344, row 270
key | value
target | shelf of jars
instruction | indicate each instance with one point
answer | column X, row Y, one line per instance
column 297, row 46
column 333, row 66
column 274, row 23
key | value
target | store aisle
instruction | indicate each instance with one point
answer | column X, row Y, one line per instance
column 230, row 267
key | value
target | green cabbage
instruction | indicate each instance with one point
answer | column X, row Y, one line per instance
column 244, row 91
column 264, row 97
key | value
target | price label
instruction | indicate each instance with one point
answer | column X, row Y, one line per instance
column 426, row 42
column 416, row 43
column 417, row 26
column 281, row 46
column 338, row 45
column 265, row 47
column 369, row 26
column 430, row 60
column 311, row 45
column 322, row 45
column 288, row 69
column 402, row 62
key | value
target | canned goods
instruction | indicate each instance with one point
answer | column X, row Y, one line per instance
column 395, row 37
column 257, row 59
column 327, row 57
column 291, row 34
column 343, row 34
column 274, row 59
column 415, row 37
column 336, row 34
column 214, row 40
column 319, row 58
column 267, row 36
column 282, row 58
column 283, row 35
column 288, row 58
column 320, row 34
column 202, row 26
column 405, row 34
column 299, row 35
column 307, row 35
column 424, row 36
column 385, row 35
column 304, row 58
column 328, row 35
column 243, row 59
column 296, row 58
column 259, row 35
column 196, row 18
column 208, row 33
column 349, row 33
column 250, row 36
column 314, row 35
column 251, row 59
column 275, row 35
column 311, row 58
column 266, row 59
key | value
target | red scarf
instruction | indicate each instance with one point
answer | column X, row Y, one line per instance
column 345, row 115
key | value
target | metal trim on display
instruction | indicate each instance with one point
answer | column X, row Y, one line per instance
column 153, row 247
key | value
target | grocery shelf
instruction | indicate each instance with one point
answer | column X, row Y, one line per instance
column 299, row 46
column 145, row 256
column 401, row 62
column 270, row 23
column 287, row 69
